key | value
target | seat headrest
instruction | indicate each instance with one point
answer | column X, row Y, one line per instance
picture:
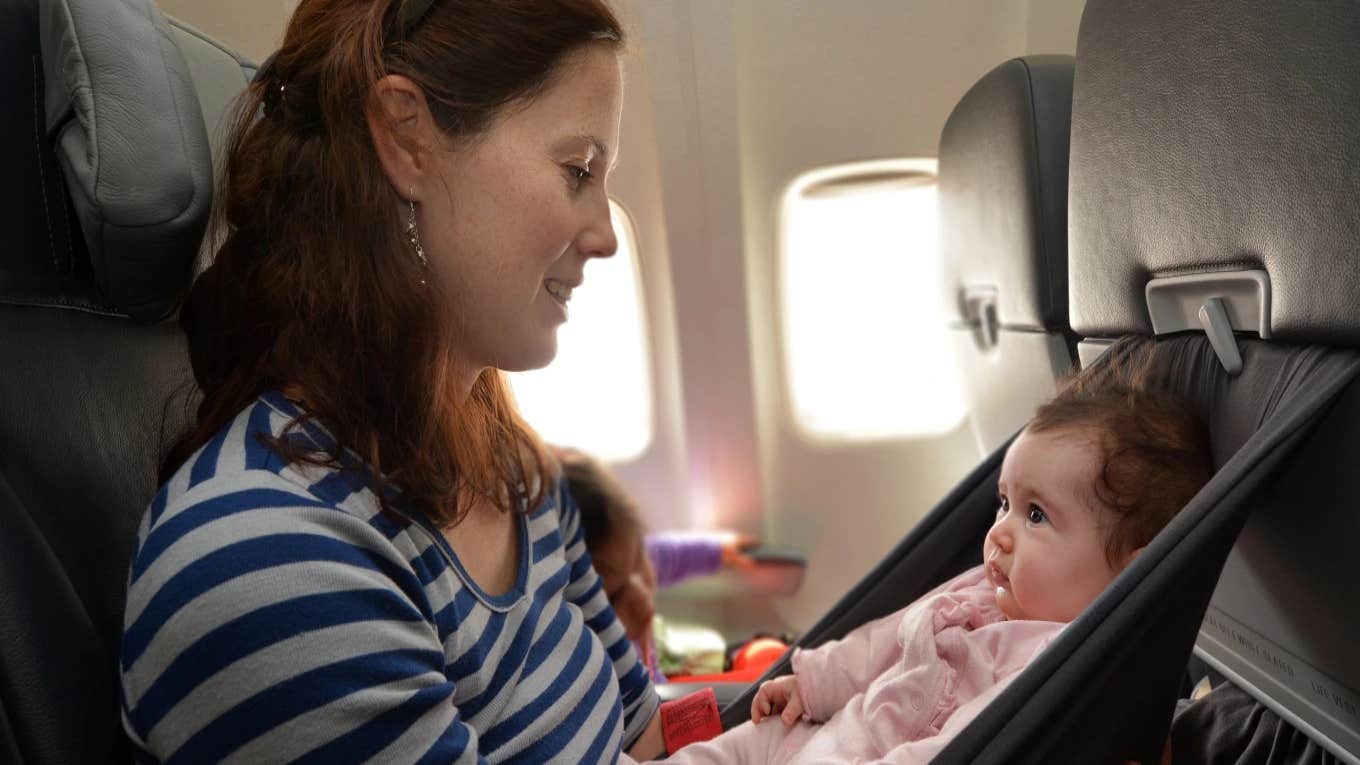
column 1003, row 193
column 1208, row 138
column 220, row 75
column 125, row 123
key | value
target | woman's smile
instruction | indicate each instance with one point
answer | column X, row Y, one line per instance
column 559, row 290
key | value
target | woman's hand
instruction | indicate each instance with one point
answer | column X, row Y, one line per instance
column 778, row 696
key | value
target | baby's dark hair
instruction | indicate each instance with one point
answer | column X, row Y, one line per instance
column 1155, row 453
column 607, row 511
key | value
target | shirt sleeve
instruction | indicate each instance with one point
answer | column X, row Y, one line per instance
column 830, row 675
column 680, row 556
column 266, row 626
column 639, row 697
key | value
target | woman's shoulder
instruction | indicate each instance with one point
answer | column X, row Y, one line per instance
column 237, row 490
column 242, row 461
column 241, row 562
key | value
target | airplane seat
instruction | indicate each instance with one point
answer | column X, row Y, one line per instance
column 107, row 197
column 1213, row 208
column 219, row 74
column 1003, row 240
column 1230, row 208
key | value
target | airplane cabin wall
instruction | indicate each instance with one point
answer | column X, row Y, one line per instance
column 747, row 96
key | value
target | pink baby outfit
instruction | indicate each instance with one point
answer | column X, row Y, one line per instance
column 895, row 690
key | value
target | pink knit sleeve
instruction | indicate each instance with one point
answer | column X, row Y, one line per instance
column 830, row 675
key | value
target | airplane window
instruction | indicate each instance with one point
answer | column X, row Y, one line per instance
column 866, row 349
column 596, row 395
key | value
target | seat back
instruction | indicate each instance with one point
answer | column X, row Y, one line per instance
column 105, row 212
column 1003, row 240
column 1207, row 166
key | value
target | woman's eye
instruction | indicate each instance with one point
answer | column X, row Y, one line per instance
column 1036, row 516
column 579, row 175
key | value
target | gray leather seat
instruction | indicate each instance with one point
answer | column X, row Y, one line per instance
column 1210, row 166
column 104, row 215
column 1003, row 240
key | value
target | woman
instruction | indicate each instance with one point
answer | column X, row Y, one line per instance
column 360, row 551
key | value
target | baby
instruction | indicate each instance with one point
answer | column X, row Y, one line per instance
column 1088, row 483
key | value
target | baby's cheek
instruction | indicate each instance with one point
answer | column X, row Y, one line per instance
column 1079, row 590
column 1050, row 594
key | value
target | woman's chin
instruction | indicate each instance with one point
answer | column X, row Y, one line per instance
column 529, row 356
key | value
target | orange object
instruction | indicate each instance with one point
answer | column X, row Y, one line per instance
column 749, row 663
column 761, row 652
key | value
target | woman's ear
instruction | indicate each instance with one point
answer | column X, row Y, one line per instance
column 404, row 132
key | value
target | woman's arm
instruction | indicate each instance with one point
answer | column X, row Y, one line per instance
column 640, row 701
column 287, row 630
column 650, row 745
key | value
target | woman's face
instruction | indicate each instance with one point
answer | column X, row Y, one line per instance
column 523, row 208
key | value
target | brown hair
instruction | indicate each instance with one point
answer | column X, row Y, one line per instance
column 1155, row 453
column 314, row 287
column 608, row 513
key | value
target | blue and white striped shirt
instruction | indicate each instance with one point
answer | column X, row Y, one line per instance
column 275, row 614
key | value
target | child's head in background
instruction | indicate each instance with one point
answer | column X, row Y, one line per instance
column 1090, row 481
column 613, row 531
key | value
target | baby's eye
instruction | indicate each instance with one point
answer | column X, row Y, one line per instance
column 1037, row 516
column 1004, row 506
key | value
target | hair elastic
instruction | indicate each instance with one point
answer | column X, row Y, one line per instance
column 409, row 14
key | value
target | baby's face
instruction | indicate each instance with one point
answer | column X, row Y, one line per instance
column 1045, row 554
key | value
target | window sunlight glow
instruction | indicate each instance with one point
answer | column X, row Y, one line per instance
column 596, row 395
column 867, row 351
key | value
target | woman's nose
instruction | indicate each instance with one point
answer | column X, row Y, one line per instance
column 599, row 240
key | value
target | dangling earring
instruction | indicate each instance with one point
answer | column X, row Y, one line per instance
column 413, row 238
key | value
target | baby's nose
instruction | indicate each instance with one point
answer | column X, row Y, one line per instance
column 1000, row 535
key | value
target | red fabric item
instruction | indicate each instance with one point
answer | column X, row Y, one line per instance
column 690, row 719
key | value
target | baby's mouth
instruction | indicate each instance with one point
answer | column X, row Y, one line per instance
column 998, row 577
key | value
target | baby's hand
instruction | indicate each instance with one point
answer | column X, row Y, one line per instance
column 776, row 696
